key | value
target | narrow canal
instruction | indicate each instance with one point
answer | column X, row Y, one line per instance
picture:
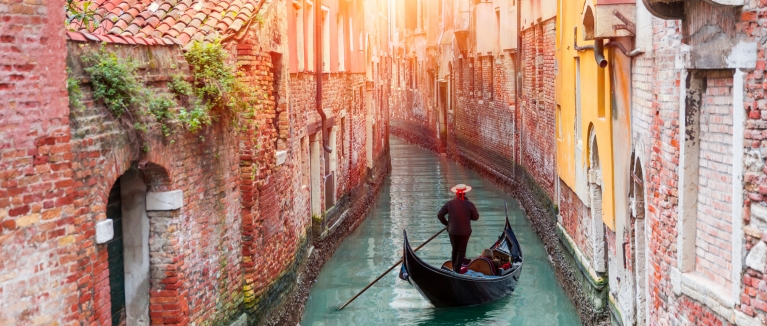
column 417, row 187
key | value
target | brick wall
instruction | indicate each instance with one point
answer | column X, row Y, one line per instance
column 661, row 167
column 576, row 219
column 195, row 274
column 37, row 210
column 482, row 126
column 753, row 296
column 714, row 227
column 538, row 105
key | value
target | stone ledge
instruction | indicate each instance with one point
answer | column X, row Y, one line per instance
column 583, row 262
column 711, row 295
column 164, row 201
column 104, row 231
column 282, row 156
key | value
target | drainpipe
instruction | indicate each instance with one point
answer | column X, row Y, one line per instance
column 598, row 47
column 623, row 50
column 518, row 85
column 318, row 70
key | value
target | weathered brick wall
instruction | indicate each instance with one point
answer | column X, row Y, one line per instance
column 198, row 278
column 342, row 92
column 538, row 106
column 754, row 282
column 482, row 123
column 656, row 83
column 661, row 167
column 714, row 221
column 38, row 282
column 411, row 103
column 576, row 219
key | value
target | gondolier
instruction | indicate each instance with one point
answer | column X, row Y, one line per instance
column 460, row 212
column 444, row 288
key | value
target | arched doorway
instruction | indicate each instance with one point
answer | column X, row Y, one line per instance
column 639, row 240
column 595, row 202
column 128, row 251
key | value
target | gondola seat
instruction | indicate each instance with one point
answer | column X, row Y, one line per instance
column 477, row 265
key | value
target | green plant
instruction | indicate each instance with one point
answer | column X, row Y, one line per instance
column 160, row 106
column 81, row 12
column 75, row 94
column 114, row 80
column 179, row 86
column 216, row 84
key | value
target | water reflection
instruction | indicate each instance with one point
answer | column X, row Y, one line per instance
column 418, row 186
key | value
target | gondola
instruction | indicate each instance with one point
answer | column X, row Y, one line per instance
column 445, row 288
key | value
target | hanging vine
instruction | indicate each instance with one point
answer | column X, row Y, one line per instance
column 215, row 89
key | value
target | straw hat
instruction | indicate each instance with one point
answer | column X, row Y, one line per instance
column 461, row 187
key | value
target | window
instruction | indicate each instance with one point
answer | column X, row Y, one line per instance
column 459, row 74
column 325, row 40
column 300, row 38
column 351, row 34
column 491, row 82
column 480, row 82
column 498, row 30
column 341, row 38
column 471, row 79
column 309, row 36
column 303, row 157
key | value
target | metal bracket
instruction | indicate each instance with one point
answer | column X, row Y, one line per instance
column 627, row 24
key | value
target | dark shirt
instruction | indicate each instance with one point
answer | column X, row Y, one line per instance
column 461, row 213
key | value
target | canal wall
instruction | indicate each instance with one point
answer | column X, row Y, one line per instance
column 291, row 310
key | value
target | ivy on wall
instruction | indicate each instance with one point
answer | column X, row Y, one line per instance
column 216, row 89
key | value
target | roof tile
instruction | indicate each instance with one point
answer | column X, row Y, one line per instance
column 76, row 36
column 104, row 38
column 237, row 24
column 184, row 38
column 90, row 36
column 176, row 21
column 122, row 24
column 195, row 23
column 164, row 27
column 117, row 39
column 132, row 29
column 129, row 39
column 153, row 21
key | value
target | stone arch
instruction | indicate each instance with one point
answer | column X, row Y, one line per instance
column 639, row 239
column 155, row 175
column 595, row 184
column 588, row 23
column 127, row 252
column 142, row 255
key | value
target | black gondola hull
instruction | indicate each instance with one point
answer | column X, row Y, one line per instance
column 447, row 289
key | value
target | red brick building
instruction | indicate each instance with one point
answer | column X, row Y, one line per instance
column 208, row 226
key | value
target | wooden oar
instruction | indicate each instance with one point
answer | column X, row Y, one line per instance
column 388, row 270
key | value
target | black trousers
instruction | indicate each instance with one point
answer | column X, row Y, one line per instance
column 459, row 243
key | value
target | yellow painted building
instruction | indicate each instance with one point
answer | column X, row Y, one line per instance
column 593, row 102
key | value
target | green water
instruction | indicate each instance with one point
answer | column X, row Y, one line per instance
column 417, row 187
